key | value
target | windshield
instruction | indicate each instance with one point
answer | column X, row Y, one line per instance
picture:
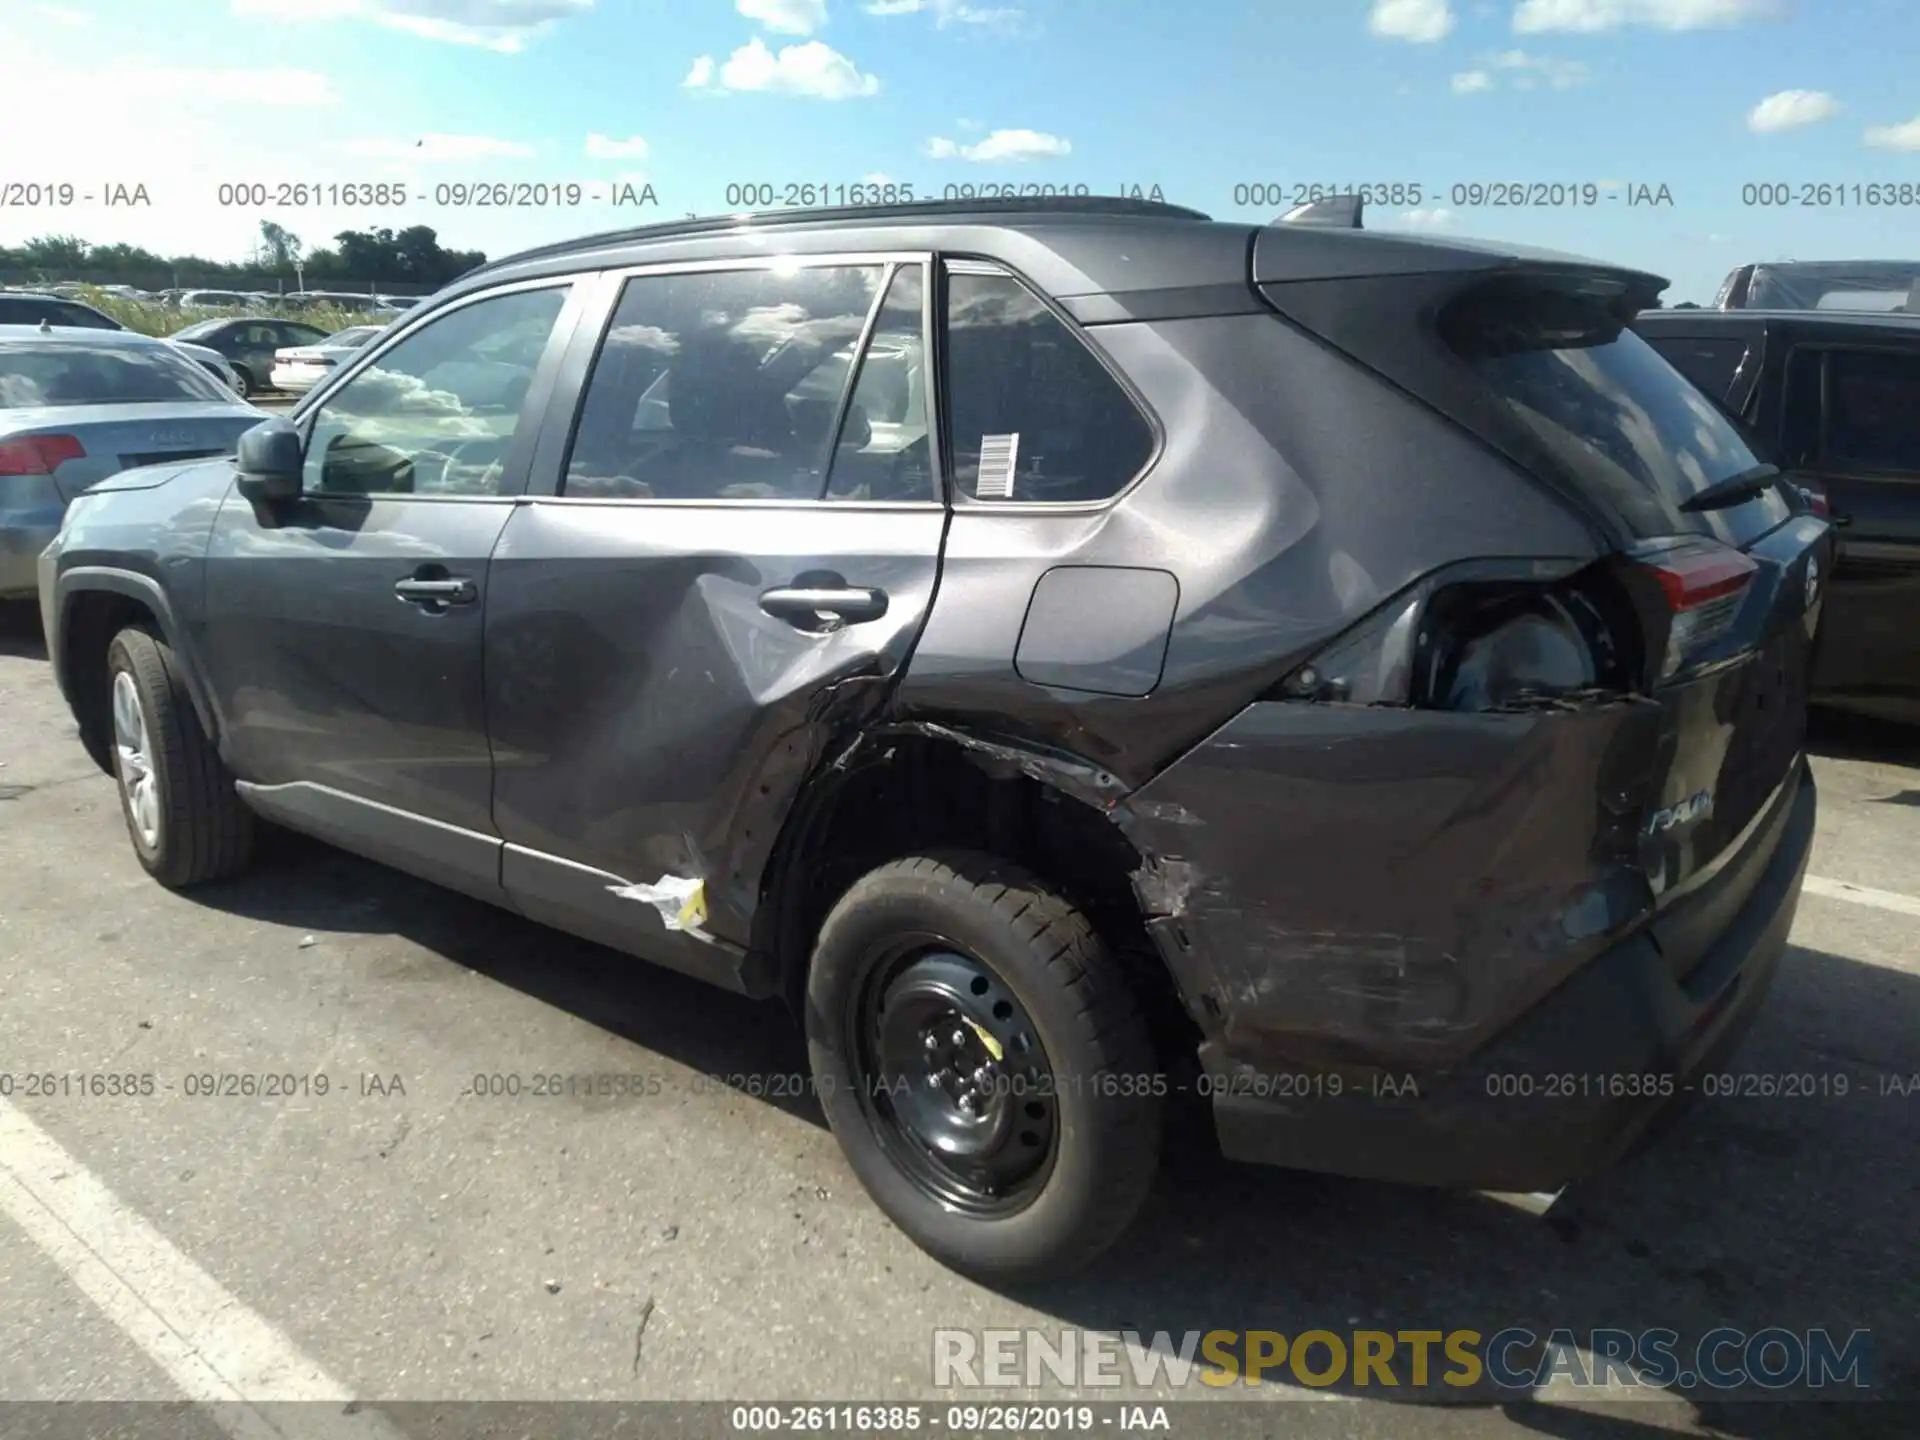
column 198, row 330
column 46, row 374
column 1615, row 414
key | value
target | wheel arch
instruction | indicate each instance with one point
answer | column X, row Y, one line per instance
column 93, row 603
column 905, row 787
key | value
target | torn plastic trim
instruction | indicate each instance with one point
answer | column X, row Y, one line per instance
column 1405, row 652
column 681, row 901
column 1003, row 757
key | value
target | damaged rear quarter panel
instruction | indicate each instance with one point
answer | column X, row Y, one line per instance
column 1391, row 887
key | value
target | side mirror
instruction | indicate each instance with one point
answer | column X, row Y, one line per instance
column 269, row 462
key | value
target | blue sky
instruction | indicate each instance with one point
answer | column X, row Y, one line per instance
column 1702, row 97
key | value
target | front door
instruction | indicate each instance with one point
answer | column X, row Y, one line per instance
column 716, row 575
column 342, row 631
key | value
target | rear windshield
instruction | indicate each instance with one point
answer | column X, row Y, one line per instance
column 71, row 374
column 1613, row 413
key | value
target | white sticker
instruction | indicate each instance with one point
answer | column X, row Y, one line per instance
column 998, row 455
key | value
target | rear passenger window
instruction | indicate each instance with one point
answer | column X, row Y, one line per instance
column 725, row 385
column 883, row 448
column 1032, row 415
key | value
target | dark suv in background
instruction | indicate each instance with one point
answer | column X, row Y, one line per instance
column 1837, row 398
column 1077, row 653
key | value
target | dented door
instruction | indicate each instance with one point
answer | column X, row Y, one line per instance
column 739, row 558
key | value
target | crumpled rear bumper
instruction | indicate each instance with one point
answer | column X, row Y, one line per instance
column 1419, row 950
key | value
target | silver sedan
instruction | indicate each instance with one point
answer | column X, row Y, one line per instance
column 79, row 405
column 298, row 368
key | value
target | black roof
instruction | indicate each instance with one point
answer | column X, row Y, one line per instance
column 800, row 217
column 1848, row 322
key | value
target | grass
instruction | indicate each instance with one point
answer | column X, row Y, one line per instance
column 150, row 318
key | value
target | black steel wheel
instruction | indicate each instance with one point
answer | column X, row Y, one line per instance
column 984, row 1065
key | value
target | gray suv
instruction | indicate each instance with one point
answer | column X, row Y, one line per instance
column 1098, row 665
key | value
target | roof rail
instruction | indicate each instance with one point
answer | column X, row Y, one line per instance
column 829, row 214
column 1336, row 212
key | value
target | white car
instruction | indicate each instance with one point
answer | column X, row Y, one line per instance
column 299, row 368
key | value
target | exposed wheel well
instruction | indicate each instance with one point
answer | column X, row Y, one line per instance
column 910, row 793
column 93, row 618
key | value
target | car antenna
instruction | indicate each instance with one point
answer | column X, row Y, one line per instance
column 46, row 326
column 1336, row 212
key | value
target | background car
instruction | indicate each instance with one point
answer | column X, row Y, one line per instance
column 213, row 300
column 57, row 310
column 79, row 405
column 298, row 369
column 1837, row 397
column 248, row 342
column 1883, row 285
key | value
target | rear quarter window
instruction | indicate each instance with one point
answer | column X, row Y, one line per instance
column 1032, row 413
column 1709, row 362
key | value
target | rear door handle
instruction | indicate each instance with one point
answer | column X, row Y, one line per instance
column 454, row 590
column 852, row 604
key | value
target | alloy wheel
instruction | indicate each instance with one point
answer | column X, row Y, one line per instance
column 133, row 756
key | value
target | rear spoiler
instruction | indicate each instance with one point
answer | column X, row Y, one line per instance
column 1336, row 212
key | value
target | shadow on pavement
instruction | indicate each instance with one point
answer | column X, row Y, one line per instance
column 1840, row 736
column 20, row 630
column 1756, row 1211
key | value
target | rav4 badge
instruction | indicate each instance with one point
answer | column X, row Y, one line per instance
column 1696, row 806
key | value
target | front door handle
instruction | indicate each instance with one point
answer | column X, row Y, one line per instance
column 804, row 605
column 453, row 590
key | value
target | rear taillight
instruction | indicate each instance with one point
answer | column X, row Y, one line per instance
column 1704, row 583
column 39, row 454
column 1815, row 502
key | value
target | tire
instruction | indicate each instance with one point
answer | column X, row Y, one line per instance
column 1104, row 1115
column 247, row 388
column 201, row 830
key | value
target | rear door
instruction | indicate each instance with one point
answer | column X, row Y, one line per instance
column 727, row 552
column 1850, row 417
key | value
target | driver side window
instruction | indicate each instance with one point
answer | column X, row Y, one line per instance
column 436, row 414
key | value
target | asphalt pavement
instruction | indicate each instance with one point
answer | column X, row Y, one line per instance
column 411, row 1234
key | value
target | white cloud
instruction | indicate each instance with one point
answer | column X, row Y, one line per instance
column 815, row 70
column 877, row 177
column 1000, row 146
column 1790, row 108
column 1523, row 72
column 1592, row 16
column 947, row 12
column 605, row 147
column 785, row 17
column 61, row 15
column 1429, row 219
column 430, row 148
column 500, row 25
column 1895, row 137
column 1421, row 21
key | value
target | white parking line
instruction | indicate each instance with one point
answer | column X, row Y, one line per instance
column 213, row 1347
column 1862, row 895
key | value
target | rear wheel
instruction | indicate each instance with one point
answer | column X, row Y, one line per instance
column 186, row 823
column 984, row 1066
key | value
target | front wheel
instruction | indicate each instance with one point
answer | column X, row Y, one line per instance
column 984, row 1066
column 186, row 822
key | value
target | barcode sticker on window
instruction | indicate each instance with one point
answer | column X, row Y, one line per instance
column 998, row 454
